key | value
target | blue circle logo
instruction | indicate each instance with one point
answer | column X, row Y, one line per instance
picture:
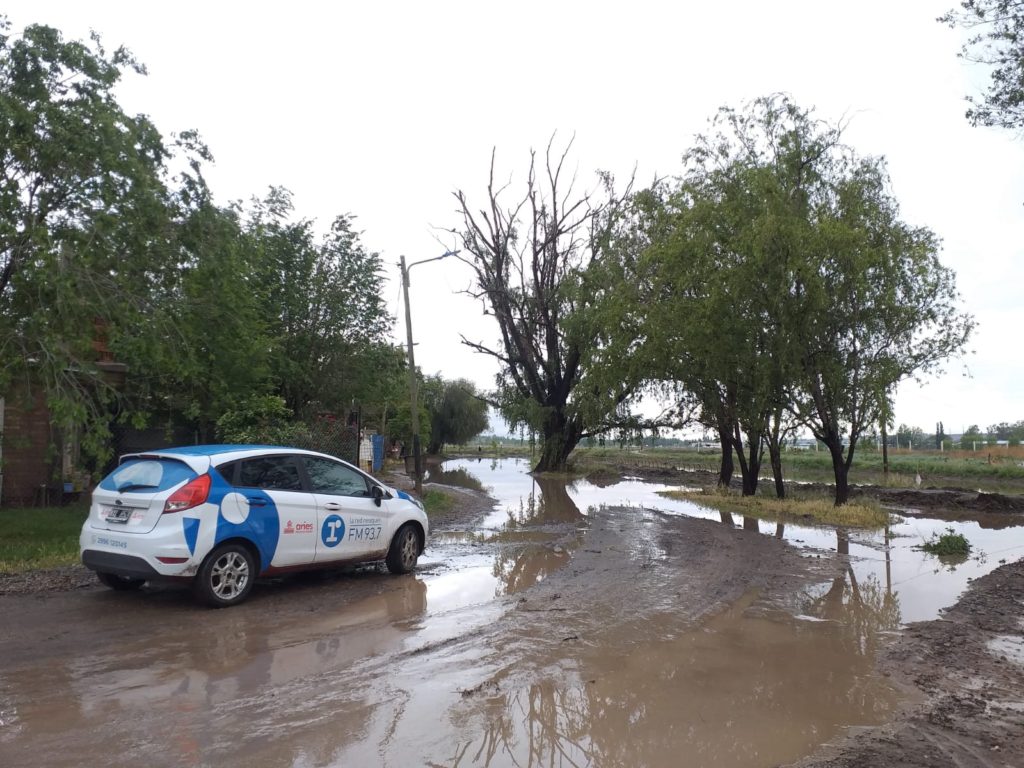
column 333, row 531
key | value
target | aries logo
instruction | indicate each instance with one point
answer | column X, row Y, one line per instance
column 301, row 526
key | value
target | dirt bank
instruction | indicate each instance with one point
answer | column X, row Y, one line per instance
column 968, row 668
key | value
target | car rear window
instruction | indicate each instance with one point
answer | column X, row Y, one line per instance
column 147, row 476
column 272, row 473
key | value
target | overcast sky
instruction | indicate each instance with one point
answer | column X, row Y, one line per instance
column 383, row 109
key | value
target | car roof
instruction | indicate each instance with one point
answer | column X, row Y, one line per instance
column 201, row 457
column 214, row 450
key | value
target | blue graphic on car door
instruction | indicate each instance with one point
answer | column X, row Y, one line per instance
column 190, row 527
column 250, row 514
column 332, row 533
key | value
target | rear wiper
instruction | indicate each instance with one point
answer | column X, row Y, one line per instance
column 134, row 486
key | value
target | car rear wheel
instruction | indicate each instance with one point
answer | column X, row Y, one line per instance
column 404, row 550
column 119, row 583
column 226, row 576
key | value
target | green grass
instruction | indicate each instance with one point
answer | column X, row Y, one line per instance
column 437, row 502
column 859, row 515
column 1004, row 471
column 44, row 537
column 948, row 544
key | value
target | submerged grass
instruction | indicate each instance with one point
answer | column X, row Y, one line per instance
column 948, row 544
column 44, row 537
column 860, row 515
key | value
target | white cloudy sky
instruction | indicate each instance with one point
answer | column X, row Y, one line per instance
column 382, row 109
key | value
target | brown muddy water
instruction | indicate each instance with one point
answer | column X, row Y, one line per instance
column 572, row 625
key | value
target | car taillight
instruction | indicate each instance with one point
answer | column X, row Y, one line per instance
column 192, row 494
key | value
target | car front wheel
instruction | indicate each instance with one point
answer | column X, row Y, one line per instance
column 404, row 550
column 225, row 578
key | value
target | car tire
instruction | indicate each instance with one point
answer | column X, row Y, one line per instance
column 404, row 550
column 119, row 583
column 226, row 576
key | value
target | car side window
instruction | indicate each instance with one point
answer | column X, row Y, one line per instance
column 327, row 476
column 227, row 471
column 271, row 473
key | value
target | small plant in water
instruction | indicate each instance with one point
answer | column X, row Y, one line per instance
column 948, row 544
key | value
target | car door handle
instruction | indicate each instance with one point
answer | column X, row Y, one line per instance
column 332, row 506
column 255, row 502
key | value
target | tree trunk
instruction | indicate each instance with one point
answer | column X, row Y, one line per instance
column 752, row 470
column 885, row 453
column 839, row 467
column 560, row 436
column 775, row 455
column 750, row 465
column 726, row 469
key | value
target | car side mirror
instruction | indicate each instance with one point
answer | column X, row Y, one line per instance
column 377, row 493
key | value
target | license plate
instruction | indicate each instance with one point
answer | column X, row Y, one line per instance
column 118, row 514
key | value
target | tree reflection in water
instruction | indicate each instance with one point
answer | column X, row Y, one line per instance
column 605, row 701
column 461, row 478
column 863, row 609
column 548, row 502
column 520, row 569
column 606, row 698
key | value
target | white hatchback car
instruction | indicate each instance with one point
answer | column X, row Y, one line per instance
column 221, row 515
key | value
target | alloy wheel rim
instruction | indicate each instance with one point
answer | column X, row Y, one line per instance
column 229, row 576
column 409, row 549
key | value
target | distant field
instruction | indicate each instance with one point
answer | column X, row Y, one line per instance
column 995, row 469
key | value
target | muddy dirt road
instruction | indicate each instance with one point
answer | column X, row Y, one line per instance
column 539, row 634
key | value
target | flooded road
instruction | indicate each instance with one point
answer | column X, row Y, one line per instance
column 568, row 626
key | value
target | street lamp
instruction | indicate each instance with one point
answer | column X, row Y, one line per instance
column 414, row 414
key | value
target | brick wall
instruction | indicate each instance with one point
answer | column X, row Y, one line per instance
column 27, row 458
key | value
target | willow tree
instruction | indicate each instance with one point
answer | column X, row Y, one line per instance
column 531, row 259
column 861, row 299
column 785, row 282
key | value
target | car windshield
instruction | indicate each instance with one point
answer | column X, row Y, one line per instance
column 147, row 475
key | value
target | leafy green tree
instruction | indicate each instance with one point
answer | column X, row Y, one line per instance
column 788, row 282
column 907, row 436
column 222, row 346
column 323, row 304
column 719, row 290
column 971, row 436
column 868, row 302
column 457, row 415
column 996, row 29
column 1004, row 430
column 84, row 218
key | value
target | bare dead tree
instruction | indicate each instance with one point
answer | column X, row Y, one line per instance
column 530, row 262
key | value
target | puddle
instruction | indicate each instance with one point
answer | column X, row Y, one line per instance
column 442, row 668
column 920, row 585
column 1009, row 647
column 738, row 691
